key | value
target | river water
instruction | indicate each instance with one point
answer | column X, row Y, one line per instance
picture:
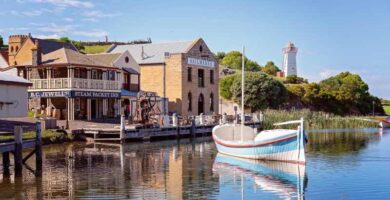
column 341, row 164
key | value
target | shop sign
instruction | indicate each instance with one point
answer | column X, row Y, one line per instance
column 200, row 62
column 96, row 94
column 116, row 95
column 49, row 94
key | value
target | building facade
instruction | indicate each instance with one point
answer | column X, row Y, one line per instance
column 13, row 96
column 184, row 72
column 290, row 60
column 66, row 83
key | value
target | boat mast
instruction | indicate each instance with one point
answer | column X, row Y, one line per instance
column 242, row 93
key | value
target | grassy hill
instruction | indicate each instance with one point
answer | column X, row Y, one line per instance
column 96, row 49
column 387, row 109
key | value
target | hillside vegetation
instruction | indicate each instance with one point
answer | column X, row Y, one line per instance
column 95, row 49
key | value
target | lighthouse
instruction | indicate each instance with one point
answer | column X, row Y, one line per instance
column 290, row 59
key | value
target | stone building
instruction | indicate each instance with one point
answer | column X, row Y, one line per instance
column 68, row 84
column 184, row 72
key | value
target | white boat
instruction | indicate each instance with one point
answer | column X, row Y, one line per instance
column 243, row 141
column 278, row 144
column 286, row 180
column 385, row 123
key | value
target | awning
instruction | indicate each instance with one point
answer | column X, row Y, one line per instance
column 126, row 93
column 130, row 70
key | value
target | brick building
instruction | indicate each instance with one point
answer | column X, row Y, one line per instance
column 184, row 72
column 69, row 84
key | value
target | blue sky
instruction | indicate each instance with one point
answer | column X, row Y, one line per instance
column 332, row 36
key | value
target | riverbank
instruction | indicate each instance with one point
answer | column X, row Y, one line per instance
column 48, row 136
column 318, row 120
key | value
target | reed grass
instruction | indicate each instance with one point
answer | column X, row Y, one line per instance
column 317, row 120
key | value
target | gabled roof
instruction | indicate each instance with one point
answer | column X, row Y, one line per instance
column 47, row 46
column 13, row 80
column 106, row 58
column 153, row 53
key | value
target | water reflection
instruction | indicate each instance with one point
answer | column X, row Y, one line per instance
column 188, row 169
column 285, row 180
column 342, row 141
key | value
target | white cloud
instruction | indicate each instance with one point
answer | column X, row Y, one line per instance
column 54, row 28
column 99, row 14
column 90, row 20
column 52, row 36
column 324, row 74
column 94, row 33
column 67, row 3
column 32, row 13
column 68, row 19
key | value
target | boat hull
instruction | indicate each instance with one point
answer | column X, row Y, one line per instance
column 384, row 124
column 282, row 150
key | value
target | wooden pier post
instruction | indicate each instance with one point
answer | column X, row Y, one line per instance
column 38, row 150
column 6, row 164
column 18, row 154
column 122, row 129
column 193, row 127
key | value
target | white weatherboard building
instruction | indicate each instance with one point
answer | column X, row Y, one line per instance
column 13, row 96
column 290, row 60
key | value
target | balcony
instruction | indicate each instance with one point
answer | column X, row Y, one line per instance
column 74, row 83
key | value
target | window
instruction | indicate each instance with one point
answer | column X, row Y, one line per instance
column 189, row 101
column 200, row 48
column 12, row 49
column 127, row 59
column 189, row 74
column 16, row 49
column 111, row 75
column 211, row 102
column 212, row 76
column 200, row 78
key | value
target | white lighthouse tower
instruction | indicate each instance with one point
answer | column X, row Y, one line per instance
column 290, row 60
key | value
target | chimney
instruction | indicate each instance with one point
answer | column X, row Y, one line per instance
column 36, row 54
column 142, row 53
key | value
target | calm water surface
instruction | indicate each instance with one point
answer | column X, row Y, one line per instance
column 341, row 164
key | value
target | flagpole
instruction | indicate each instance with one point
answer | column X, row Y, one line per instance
column 242, row 93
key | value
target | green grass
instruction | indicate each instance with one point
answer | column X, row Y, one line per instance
column 387, row 109
column 51, row 135
column 96, row 49
column 317, row 120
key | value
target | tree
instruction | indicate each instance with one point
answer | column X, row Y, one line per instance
column 224, row 86
column 1, row 41
column 77, row 44
column 220, row 55
column 261, row 91
column 234, row 59
column 294, row 79
column 270, row 68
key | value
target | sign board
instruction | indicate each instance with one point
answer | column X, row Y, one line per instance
column 49, row 94
column 201, row 62
column 72, row 94
column 96, row 94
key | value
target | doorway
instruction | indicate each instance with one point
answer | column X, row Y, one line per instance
column 93, row 108
column 200, row 104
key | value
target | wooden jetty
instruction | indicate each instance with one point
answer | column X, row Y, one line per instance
column 122, row 134
column 17, row 146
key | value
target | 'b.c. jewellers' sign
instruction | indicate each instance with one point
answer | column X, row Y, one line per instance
column 49, row 94
column 74, row 94
column 200, row 62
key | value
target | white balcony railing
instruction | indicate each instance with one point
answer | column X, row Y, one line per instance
column 74, row 83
